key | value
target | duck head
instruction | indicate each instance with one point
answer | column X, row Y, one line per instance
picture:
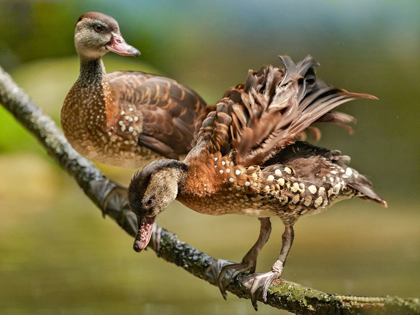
column 150, row 192
column 96, row 34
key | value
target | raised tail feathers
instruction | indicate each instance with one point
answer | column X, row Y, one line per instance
column 278, row 105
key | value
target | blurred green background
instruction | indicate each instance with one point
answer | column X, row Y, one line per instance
column 57, row 254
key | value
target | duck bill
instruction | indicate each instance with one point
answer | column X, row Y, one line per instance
column 145, row 225
column 120, row 47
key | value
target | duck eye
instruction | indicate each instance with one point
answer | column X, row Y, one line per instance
column 149, row 201
column 98, row 28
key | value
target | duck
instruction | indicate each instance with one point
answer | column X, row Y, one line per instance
column 250, row 157
column 125, row 118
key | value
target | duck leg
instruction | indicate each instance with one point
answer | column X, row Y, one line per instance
column 258, row 283
column 249, row 262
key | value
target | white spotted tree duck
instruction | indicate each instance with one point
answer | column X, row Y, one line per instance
column 248, row 159
column 125, row 118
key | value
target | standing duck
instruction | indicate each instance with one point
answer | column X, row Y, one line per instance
column 248, row 159
column 125, row 118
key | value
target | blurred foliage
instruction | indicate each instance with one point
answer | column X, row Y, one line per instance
column 57, row 255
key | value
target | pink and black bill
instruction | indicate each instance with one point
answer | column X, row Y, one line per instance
column 119, row 46
column 145, row 225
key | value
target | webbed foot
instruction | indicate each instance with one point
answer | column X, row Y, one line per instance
column 214, row 270
column 258, row 283
column 230, row 271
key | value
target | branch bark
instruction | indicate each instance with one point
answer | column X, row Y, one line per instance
column 286, row 295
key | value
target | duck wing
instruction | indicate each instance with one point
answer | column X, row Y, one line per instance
column 272, row 110
column 276, row 106
column 168, row 111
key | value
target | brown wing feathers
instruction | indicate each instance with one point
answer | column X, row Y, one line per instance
column 340, row 119
column 277, row 106
column 272, row 110
column 214, row 133
column 169, row 110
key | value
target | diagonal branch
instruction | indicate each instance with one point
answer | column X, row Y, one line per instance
column 286, row 295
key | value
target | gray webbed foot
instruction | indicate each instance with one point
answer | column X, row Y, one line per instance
column 214, row 270
column 230, row 271
column 258, row 283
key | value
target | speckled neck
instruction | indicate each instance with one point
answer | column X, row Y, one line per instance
column 92, row 70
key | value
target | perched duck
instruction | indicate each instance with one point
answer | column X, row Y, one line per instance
column 125, row 118
column 249, row 159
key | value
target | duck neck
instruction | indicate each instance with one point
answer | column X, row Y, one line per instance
column 182, row 181
column 94, row 83
column 92, row 71
column 94, row 89
column 180, row 173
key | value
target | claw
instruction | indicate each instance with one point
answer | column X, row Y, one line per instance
column 214, row 271
column 257, row 284
column 222, row 281
column 230, row 271
column 215, row 268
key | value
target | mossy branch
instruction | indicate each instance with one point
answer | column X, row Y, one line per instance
column 286, row 295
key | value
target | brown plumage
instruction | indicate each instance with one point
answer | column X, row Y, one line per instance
column 248, row 159
column 125, row 118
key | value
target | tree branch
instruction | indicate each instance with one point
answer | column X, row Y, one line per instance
column 286, row 295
